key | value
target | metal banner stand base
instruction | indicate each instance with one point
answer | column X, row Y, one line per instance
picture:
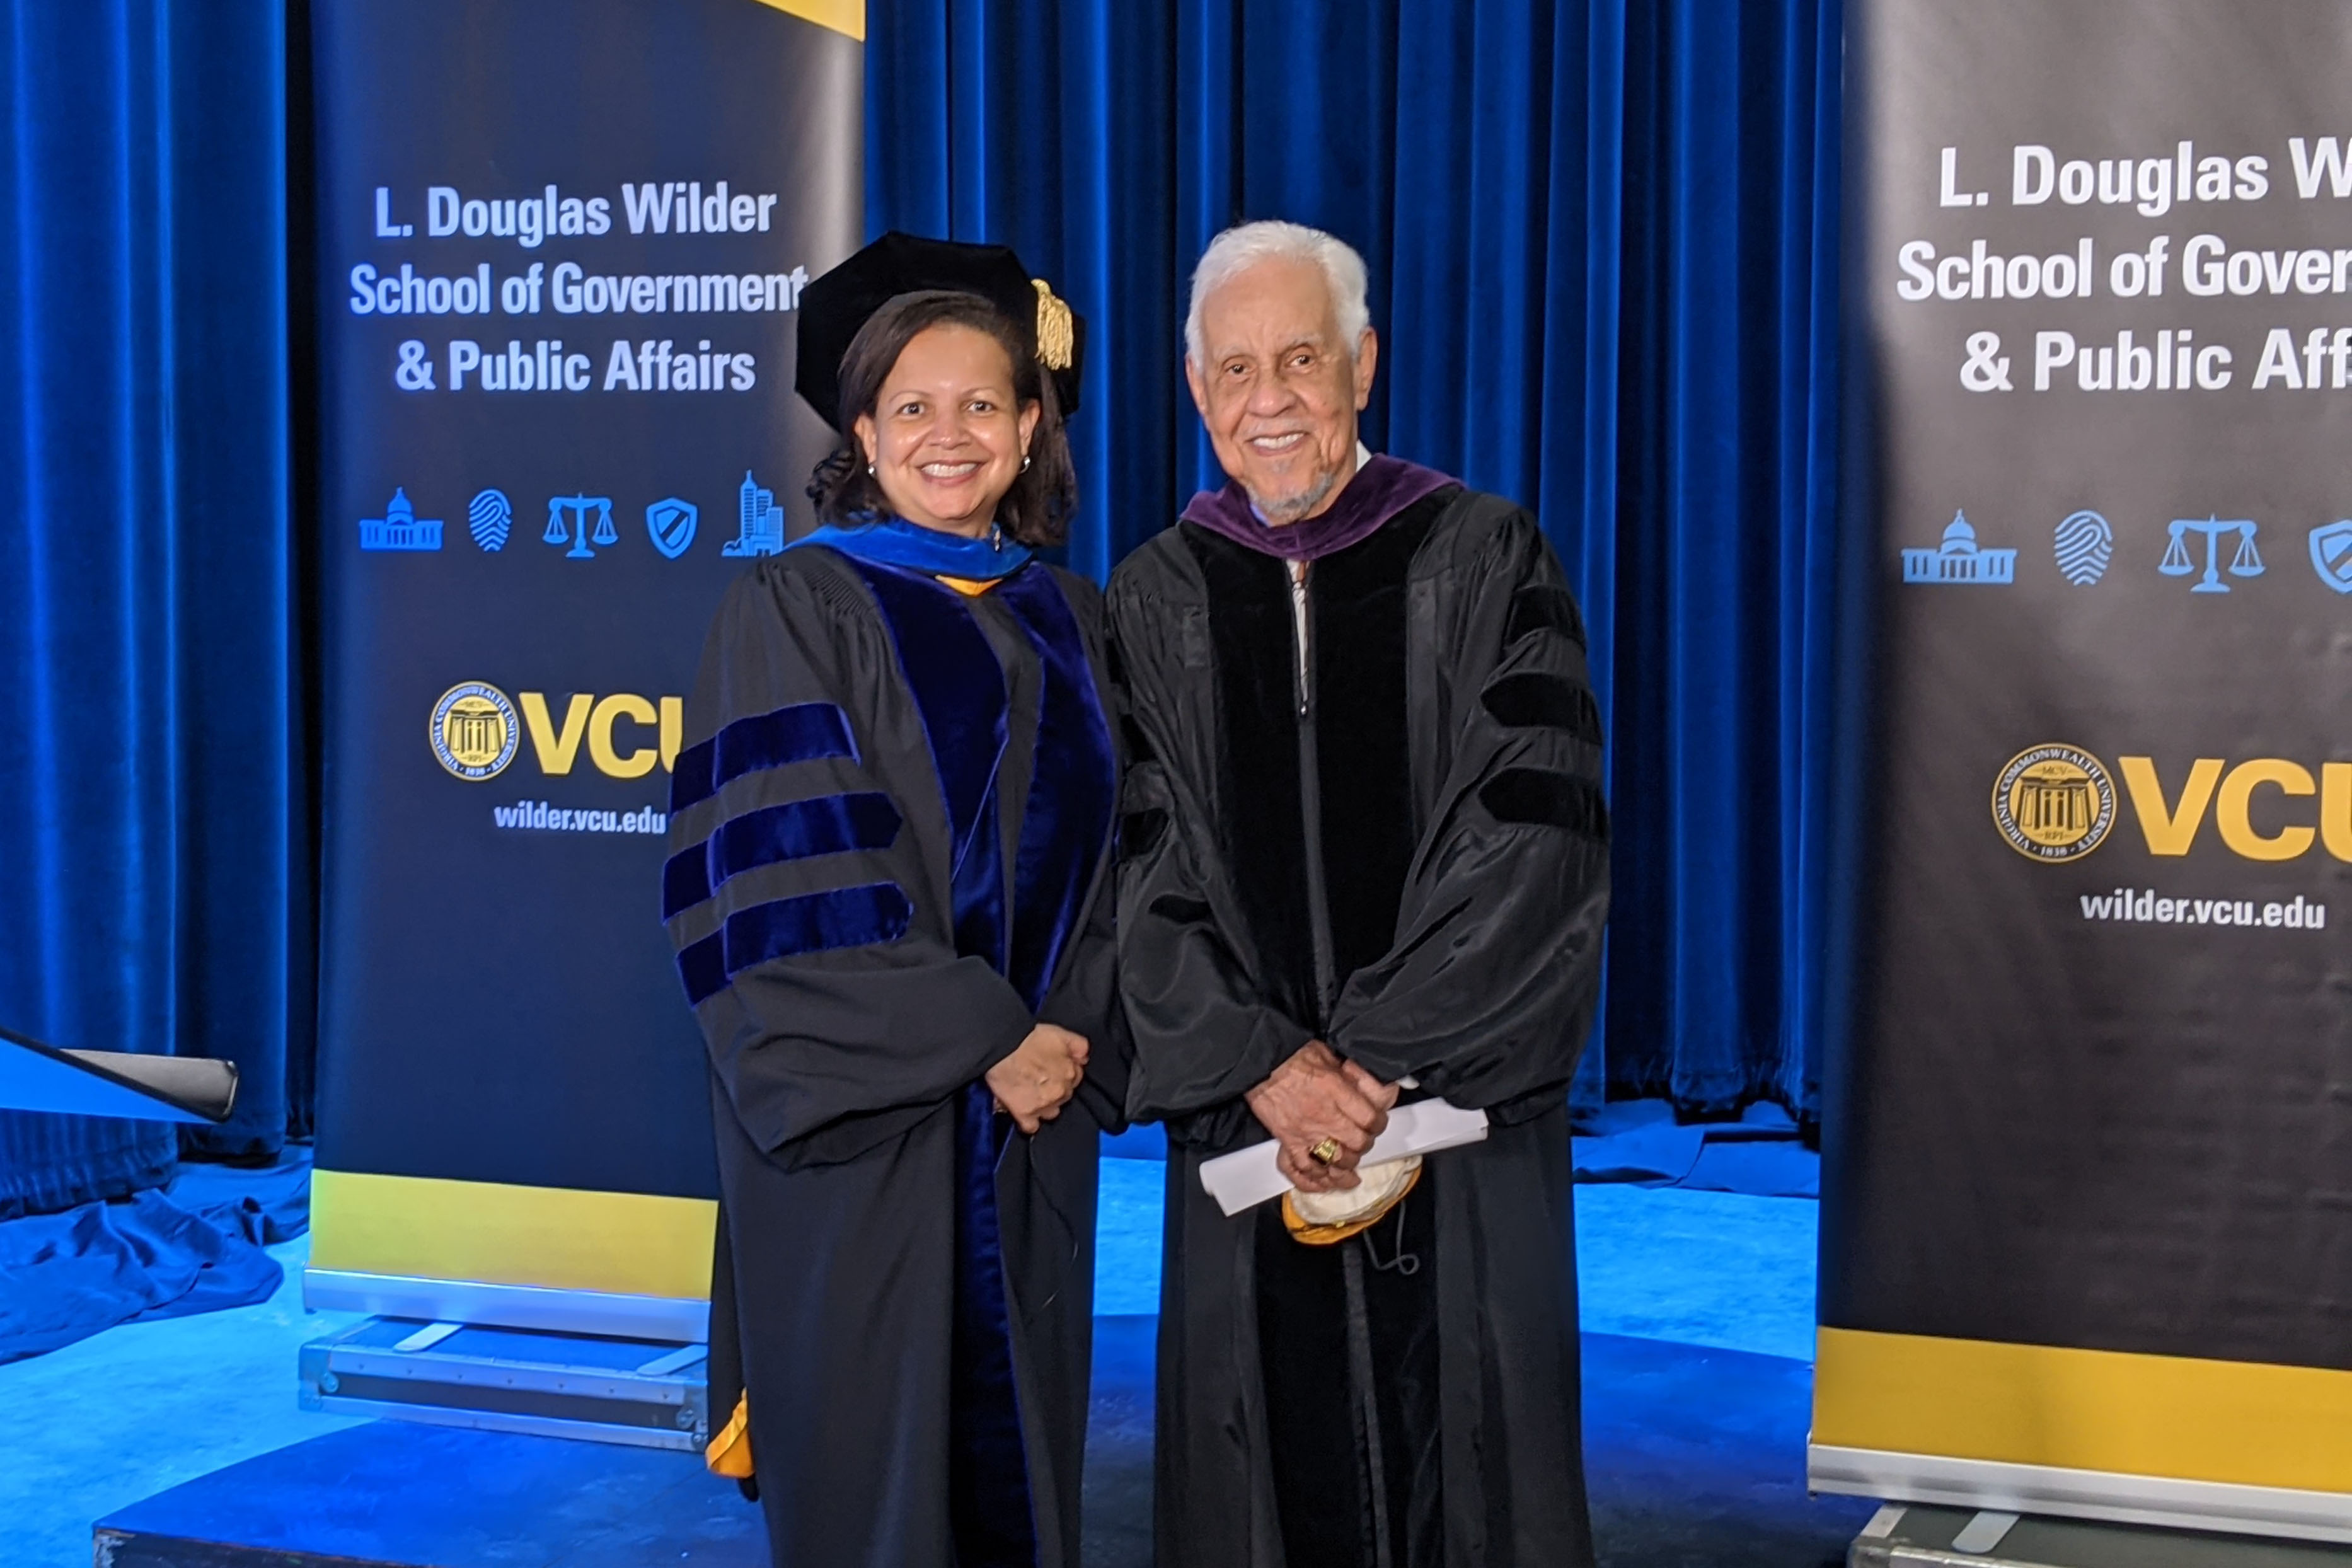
column 643, row 1392
column 1902, row 1536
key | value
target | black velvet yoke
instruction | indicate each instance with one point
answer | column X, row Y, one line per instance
column 1361, row 809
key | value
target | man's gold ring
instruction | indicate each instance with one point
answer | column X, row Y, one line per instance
column 1325, row 1153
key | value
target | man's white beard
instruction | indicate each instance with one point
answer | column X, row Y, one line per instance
column 1290, row 508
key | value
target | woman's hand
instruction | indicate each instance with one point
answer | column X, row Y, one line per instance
column 1036, row 1080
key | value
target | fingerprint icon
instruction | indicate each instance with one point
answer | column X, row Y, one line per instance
column 2085, row 544
column 492, row 519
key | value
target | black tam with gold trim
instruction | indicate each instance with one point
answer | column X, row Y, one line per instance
column 835, row 306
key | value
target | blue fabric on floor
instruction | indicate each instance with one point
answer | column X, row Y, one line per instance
column 1144, row 1140
column 194, row 1248
column 1640, row 1141
column 64, row 1277
column 1770, row 1168
column 265, row 1204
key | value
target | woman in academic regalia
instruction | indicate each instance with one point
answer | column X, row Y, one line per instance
column 889, row 845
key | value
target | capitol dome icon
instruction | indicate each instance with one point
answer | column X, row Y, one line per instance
column 400, row 528
column 1959, row 559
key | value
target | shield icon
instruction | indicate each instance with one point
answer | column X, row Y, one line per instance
column 2331, row 555
column 671, row 523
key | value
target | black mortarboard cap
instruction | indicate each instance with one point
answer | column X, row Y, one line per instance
column 833, row 307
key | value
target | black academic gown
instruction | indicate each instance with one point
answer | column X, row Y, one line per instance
column 1411, row 864
column 889, row 835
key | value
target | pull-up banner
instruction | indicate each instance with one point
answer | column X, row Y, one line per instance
column 561, row 244
column 2088, row 1246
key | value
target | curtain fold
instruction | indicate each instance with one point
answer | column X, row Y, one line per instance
column 1602, row 240
column 153, row 859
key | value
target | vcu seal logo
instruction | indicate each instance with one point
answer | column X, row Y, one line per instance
column 474, row 731
column 2054, row 803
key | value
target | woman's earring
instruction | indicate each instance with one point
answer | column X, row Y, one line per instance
column 1024, row 462
column 869, row 470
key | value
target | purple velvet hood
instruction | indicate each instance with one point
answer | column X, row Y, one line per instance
column 1379, row 490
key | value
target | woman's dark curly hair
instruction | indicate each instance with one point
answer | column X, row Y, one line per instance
column 1038, row 507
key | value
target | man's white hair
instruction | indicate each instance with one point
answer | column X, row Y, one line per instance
column 1243, row 246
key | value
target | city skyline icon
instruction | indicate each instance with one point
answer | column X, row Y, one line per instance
column 761, row 519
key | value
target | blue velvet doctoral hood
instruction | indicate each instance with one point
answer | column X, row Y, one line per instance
column 895, row 542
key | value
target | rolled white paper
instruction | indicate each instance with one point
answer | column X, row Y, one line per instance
column 1247, row 1177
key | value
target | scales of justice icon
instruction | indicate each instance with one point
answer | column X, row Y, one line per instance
column 2245, row 563
column 567, row 518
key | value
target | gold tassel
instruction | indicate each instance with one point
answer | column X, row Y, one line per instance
column 729, row 1453
column 1056, row 339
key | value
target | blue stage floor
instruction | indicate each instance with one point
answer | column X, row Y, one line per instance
column 1698, row 1309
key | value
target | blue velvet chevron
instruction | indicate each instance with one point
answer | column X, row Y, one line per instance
column 813, row 922
column 800, row 732
column 846, row 917
column 826, row 825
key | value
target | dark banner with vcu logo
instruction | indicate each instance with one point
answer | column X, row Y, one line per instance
column 561, row 250
column 2087, row 1246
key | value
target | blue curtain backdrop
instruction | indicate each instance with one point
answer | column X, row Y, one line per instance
column 154, row 881
column 1602, row 238
column 1602, row 241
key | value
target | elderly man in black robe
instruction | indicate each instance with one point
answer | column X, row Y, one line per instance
column 1364, row 857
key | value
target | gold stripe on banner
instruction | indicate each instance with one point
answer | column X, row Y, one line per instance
column 842, row 16
column 2243, row 1422
column 556, row 1238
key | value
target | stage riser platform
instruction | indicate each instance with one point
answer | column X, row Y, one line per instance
column 112, row 1549
column 1919, row 1536
column 1694, row 1455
